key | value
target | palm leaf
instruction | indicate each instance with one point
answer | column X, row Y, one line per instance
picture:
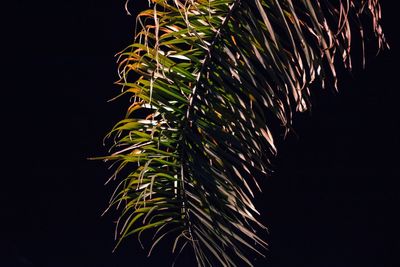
column 209, row 79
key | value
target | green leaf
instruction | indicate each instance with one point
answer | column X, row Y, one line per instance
column 213, row 83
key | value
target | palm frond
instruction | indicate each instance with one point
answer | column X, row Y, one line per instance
column 214, row 77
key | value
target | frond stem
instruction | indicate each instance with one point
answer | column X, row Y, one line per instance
column 184, row 169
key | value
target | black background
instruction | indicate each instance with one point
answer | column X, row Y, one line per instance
column 332, row 202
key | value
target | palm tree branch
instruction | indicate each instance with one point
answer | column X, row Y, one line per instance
column 215, row 77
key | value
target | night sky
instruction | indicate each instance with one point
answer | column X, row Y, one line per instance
column 332, row 201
